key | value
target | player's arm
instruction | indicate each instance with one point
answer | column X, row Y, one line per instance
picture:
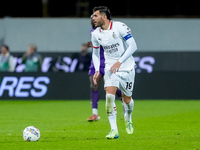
column 95, row 58
column 132, row 47
column 125, row 33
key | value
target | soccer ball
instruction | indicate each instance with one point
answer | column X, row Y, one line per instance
column 31, row 134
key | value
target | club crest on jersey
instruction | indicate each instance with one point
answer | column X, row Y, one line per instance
column 114, row 35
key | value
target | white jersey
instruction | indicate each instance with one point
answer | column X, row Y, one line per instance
column 114, row 44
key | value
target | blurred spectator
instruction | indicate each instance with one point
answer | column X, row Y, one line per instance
column 32, row 60
column 6, row 60
column 84, row 59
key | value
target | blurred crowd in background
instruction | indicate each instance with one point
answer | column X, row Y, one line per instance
column 33, row 60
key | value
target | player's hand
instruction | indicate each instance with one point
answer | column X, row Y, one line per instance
column 89, row 44
column 115, row 67
column 95, row 77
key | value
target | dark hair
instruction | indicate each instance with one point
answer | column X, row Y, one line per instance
column 105, row 10
column 6, row 46
column 34, row 47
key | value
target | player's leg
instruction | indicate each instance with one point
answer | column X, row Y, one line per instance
column 94, row 98
column 127, row 88
column 111, row 111
column 128, row 105
column 111, row 84
column 119, row 94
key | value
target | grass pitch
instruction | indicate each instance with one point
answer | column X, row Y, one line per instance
column 160, row 124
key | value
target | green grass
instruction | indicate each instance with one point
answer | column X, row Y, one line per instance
column 164, row 124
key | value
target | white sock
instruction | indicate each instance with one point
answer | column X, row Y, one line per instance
column 128, row 108
column 111, row 111
column 95, row 111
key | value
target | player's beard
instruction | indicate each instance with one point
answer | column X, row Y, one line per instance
column 100, row 23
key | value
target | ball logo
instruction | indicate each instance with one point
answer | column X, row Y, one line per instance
column 34, row 132
column 24, row 86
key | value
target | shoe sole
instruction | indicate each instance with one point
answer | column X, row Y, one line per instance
column 91, row 120
column 130, row 132
column 116, row 137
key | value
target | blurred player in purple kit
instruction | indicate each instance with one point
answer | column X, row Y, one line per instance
column 94, row 88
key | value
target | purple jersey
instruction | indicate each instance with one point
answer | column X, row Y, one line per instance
column 102, row 61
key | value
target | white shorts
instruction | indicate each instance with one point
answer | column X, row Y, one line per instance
column 122, row 80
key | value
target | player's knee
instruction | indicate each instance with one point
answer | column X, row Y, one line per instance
column 126, row 99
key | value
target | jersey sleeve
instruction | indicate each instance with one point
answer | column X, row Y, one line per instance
column 125, row 31
column 95, row 42
column 95, row 53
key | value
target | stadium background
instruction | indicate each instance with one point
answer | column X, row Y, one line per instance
column 167, row 35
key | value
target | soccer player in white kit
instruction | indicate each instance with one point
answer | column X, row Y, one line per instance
column 119, row 45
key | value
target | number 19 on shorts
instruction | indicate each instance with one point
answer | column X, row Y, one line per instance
column 129, row 85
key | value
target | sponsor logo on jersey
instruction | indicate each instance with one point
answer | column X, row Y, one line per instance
column 111, row 48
